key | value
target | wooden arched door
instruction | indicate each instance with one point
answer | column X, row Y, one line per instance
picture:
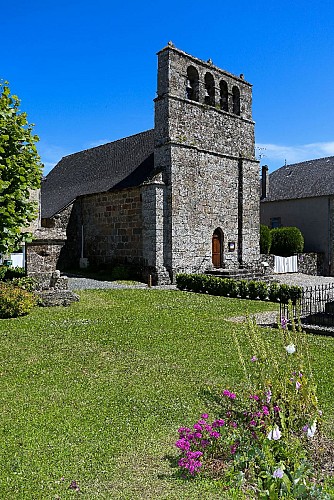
column 217, row 248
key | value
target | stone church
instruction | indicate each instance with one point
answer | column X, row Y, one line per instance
column 182, row 197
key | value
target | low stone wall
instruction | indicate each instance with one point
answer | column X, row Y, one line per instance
column 311, row 263
column 308, row 263
column 42, row 256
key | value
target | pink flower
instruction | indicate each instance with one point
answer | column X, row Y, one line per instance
column 229, row 394
column 234, row 448
column 298, row 385
column 284, row 322
column 214, row 434
column 254, row 396
column 253, row 359
column 277, row 409
column 205, row 416
column 265, row 410
column 218, row 423
column 194, row 454
column 183, row 444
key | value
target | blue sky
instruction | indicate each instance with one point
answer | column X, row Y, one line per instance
column 86, row 71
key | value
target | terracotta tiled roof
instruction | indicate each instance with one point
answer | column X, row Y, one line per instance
column 116, row 165
column 302, row 180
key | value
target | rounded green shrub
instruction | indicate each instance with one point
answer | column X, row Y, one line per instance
column 15, row 301
column 262, row 290
column 284, row 294
column 286, row 241
column 182, row 281
column 253, row 290
column 233, row 288
column 243, row 289
column 265, row 239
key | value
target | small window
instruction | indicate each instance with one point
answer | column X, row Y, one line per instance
column 209, row 96
column 223, row 95
column 192, row 84
column 236, row 100
column 275, row 222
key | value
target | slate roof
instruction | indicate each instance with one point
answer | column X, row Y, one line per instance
column 302, row 180
column 124, row 163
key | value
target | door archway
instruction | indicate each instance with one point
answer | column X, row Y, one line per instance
column 217, row 248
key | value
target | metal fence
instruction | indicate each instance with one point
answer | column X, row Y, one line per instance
column 316, row 306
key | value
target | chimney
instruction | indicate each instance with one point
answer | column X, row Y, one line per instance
column 264, row 182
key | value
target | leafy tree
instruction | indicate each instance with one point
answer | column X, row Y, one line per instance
column 20, row 171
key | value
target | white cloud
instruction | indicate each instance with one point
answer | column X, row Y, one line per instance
column 275, row 155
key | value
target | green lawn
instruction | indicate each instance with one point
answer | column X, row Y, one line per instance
column 95, row 393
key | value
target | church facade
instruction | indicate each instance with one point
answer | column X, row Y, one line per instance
column 182, row 197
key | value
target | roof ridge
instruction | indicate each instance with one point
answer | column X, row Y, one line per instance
column 109, row 142
column 305, row 161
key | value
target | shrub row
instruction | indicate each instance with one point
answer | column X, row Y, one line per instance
column 227, row 287
column 15, row 301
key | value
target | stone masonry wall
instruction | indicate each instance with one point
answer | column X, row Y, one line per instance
column 250, row 214
column 112, row 227
column 207, row 158
column 42, row 256
column 67, row 221
column 59, row 221
column 155, row 249
column 204, row 197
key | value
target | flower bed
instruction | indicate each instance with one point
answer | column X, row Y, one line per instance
column 259, row 437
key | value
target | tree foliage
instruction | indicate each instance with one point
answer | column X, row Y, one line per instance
column 20, row 172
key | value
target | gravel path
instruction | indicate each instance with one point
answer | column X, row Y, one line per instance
column 304, row 280
column 79, row 283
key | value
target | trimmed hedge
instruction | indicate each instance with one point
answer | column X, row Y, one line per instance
column 227, row 287
column 286, row 241
column 265, row 239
